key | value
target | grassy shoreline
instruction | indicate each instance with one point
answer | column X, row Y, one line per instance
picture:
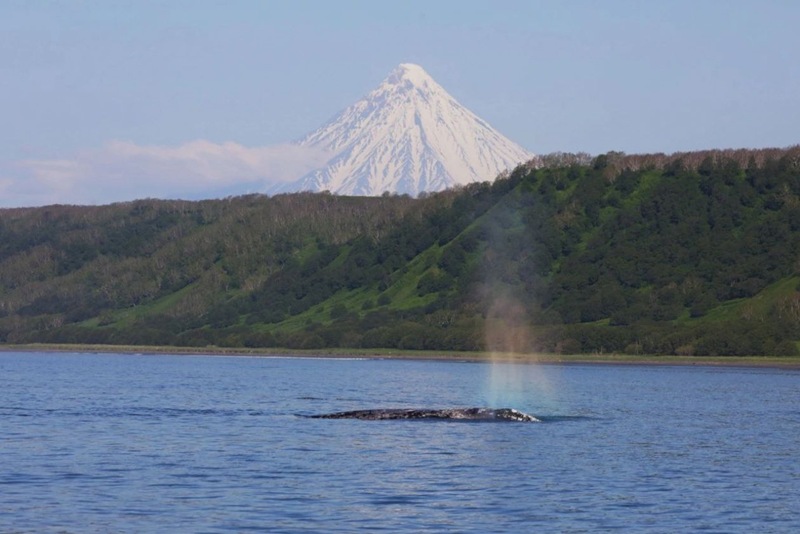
column 617, row 359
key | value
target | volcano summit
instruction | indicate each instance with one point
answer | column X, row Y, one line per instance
column 406, row 136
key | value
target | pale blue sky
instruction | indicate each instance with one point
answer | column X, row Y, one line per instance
column 590, row 76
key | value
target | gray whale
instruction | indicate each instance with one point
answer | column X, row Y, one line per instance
column 466, row 414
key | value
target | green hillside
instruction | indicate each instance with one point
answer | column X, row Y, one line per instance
column 692, row 254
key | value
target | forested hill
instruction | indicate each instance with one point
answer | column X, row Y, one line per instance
column 695, row 253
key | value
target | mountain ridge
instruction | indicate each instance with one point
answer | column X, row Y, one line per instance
column 695, row 253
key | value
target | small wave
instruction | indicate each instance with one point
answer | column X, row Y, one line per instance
column 129, row 412
column 565, row 418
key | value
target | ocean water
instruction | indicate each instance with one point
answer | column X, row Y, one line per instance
column 159, row 443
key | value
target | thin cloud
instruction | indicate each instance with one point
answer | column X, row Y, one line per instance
column 123, row 170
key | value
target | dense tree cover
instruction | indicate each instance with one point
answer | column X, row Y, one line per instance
column 693, row 253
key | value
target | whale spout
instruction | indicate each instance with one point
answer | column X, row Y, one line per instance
column 466, row 414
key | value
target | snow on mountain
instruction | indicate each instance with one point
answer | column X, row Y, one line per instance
column 407, row 136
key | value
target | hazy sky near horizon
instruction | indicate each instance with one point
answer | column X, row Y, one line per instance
column 106, row 100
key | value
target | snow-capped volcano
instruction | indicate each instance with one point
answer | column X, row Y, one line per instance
column 407, row 136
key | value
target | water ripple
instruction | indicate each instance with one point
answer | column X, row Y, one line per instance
column 142, row 444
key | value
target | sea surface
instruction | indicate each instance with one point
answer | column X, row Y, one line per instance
column 159, row 443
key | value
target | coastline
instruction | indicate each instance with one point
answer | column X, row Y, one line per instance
column 779, row 362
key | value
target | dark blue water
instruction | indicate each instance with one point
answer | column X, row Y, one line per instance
column 123, row 443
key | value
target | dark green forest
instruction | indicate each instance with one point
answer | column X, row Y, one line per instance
column 691, row 254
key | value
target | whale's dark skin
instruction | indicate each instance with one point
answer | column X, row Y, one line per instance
column 466, row 414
